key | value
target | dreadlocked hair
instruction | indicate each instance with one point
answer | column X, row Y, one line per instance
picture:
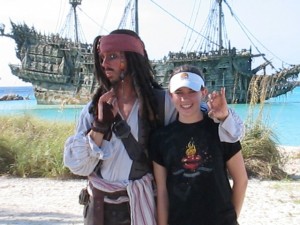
column 139, row 68
column 103, row 82
column 144, row 83
column 98, row 71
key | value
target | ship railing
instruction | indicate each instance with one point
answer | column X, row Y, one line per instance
column 198, row 55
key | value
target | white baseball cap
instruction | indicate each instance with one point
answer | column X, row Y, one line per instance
column 186, row 79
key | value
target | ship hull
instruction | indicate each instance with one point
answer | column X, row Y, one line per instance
column 231, row 70
column 76, row 86
column 60, row 71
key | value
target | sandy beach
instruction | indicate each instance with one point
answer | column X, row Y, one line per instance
column 35, row 201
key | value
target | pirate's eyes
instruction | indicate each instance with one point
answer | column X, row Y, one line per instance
column 110, row 56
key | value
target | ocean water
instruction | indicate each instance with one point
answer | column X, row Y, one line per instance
column 66, row 113
column 281, row 113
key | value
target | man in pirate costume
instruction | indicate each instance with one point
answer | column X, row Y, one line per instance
column 111, row 139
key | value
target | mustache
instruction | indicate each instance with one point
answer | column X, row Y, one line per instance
column 108, row 69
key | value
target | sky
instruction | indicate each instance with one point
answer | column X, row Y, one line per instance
column 273, row 25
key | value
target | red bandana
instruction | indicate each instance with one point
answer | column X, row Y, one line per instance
column 120, row 42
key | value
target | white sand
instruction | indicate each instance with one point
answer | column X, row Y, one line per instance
column 46, row 201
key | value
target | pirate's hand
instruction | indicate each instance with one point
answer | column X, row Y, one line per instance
column 107, row 107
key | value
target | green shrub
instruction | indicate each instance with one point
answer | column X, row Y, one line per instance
column 261, row 153
column 32, row 147
column 260, row 146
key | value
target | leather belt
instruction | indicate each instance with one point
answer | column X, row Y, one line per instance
column 115, row 195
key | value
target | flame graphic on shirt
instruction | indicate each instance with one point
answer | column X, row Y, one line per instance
column 192, row 160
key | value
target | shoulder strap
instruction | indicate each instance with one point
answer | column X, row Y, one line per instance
column 140, row 164
column 134, row 149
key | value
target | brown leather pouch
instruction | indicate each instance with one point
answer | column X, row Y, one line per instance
column 94, row 210
column 84, row 197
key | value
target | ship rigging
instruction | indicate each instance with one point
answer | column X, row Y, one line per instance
column 61, row 68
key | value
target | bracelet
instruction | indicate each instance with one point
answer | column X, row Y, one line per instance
column 100, row 127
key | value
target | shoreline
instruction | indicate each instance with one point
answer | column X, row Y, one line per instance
column 289, row 147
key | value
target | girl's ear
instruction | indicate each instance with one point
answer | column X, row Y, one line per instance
column 204, row 92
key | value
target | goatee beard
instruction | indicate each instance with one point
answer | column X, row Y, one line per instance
column 115, row 83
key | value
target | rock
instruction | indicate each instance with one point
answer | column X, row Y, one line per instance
column 11, row 97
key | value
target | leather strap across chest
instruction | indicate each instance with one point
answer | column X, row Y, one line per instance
column 136, row 151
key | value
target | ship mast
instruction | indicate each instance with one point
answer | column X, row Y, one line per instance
column 74, row 4
column 220, row 26
column 136, row 17
column 131, row 11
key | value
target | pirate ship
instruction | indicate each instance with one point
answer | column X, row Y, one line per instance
column 61, row 69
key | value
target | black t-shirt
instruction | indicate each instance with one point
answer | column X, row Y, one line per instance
column 197, row 182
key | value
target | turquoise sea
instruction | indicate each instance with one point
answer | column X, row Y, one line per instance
column 281, row 113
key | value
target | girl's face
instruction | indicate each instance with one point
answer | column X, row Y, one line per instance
column 187, row 103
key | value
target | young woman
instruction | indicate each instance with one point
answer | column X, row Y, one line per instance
column 191, row 163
